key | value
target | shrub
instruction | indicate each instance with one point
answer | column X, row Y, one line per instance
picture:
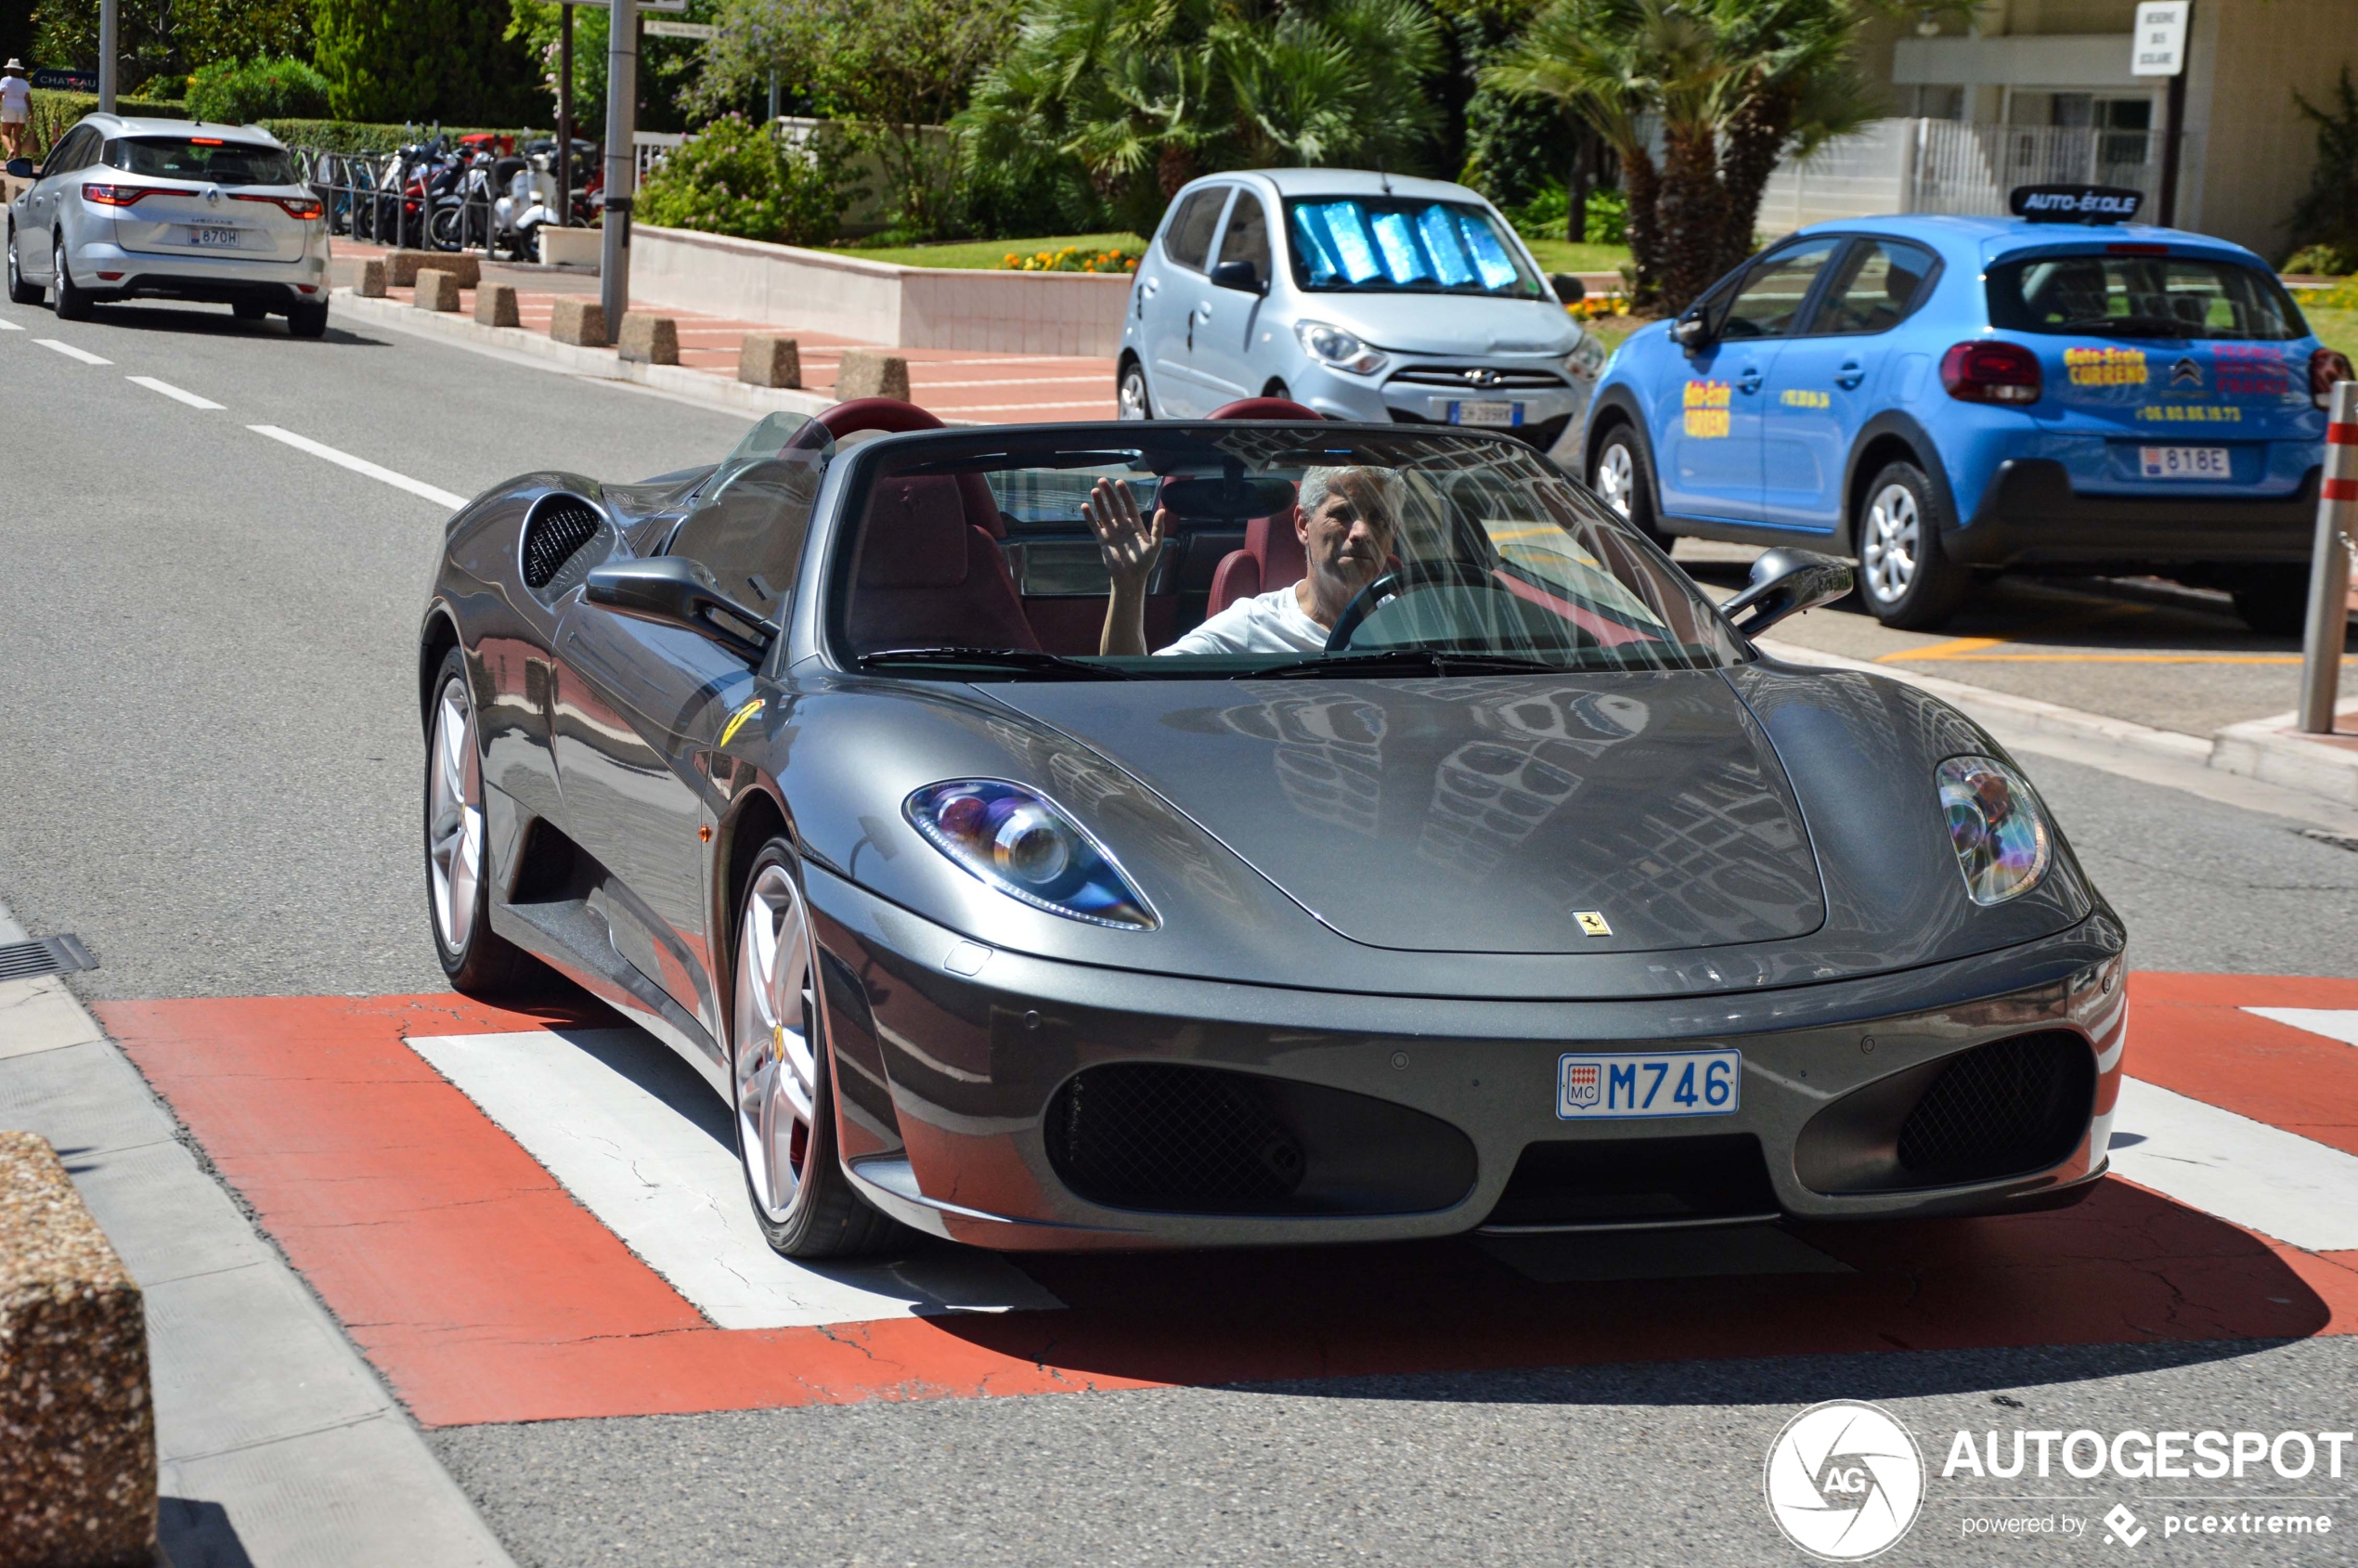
column 240, row 95
column 362, row 136
column 2327, row 260
column 53, row 113
column 735, row 178
column 1543, row 217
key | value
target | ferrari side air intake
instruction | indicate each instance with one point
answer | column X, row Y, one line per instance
column 2010, row 1107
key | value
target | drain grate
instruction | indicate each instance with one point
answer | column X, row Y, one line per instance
column 45, row 955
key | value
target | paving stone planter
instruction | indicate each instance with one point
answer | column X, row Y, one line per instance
column 77, row 1426
column 1076, row 313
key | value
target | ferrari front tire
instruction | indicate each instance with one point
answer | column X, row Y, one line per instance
column 782, row 1080
column 478, row 960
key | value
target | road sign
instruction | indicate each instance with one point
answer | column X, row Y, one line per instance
column 2158, row 45
column 656, row 28
column 65, row 80
column 645, row 5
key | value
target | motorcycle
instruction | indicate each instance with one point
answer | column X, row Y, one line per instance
column 530, row 204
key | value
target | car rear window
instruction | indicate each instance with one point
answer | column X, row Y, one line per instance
column 2106, row 294
column 1395, row 246
column 205, row 158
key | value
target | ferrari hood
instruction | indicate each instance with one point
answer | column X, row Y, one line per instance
column 1520, row 815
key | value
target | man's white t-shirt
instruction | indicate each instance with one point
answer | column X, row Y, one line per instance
column 15, row 96
column 1267, row 622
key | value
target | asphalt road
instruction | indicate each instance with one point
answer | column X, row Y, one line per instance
column 210, row 759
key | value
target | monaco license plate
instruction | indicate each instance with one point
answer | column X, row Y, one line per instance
column 2183, row 462
column 216, row 235
column 1619, row 1085
column 1486, row 412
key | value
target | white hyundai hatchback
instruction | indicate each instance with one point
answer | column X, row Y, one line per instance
column 172, row 209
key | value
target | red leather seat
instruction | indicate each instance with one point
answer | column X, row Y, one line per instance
column 930, row 571
column 1271, row 558
column 928, row 578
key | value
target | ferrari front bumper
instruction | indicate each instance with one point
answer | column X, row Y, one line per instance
column 1348, row 1117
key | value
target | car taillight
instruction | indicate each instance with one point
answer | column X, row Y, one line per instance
column 2326, row 367
column 1991, row 371
column 125, row 195
column 296, row 206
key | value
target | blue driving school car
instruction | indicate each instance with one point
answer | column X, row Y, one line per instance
column 2060, row 391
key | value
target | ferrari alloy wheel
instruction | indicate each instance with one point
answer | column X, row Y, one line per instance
column 1903, row 576
column 807, row 1207
column 20, row 292
column 477, row 959
column 1133, row 404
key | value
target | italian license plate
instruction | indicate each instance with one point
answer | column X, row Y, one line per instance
column 1486, row 412
column 1617, row 1086
column 2183, row 462
column 218, row 236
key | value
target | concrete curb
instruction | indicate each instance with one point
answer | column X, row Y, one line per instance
column 277, row 1443
column 2273, row 751
column 601, row 364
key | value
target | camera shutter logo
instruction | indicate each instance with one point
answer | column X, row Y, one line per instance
column 1844, row 1481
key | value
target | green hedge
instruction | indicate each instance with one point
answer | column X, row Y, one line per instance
column 54, row 114
column 347, row 135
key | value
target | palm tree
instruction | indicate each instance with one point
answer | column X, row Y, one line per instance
column 1147, row 94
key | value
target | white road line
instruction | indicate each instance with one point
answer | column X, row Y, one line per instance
column 2245, row 1171
column 359, row 465
column 636, row 1137
column 73, row 352
column 171, row 391
column 8, row 326
column 2333, row 1023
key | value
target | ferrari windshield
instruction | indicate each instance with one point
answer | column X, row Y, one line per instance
column 1249, row 550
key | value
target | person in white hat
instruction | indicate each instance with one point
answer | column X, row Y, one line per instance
column 16, row 108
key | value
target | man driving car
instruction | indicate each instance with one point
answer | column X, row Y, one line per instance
column 1346, row 520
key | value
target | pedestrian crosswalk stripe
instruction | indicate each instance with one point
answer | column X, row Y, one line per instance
column 2245, row 1171
column 2333, row 1023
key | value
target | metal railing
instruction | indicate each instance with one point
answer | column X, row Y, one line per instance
column 370, row 197
column 1911, row 165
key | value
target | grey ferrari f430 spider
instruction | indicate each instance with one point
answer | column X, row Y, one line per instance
column 1245, row 831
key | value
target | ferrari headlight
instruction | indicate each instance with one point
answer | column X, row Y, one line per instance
column 1333, row 345
column 1997, row 828
column 1022, row 843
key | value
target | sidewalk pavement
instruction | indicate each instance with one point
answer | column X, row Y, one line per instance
column 961, row 386
column 277, row 1443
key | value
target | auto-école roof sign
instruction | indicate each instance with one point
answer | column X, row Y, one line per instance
column 2075, row 203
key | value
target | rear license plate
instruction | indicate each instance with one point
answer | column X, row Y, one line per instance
column 206, row 233
column 1485, row 414
column 1613, row 1088
column 2183, row 462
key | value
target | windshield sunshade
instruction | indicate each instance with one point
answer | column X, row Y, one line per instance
column 1385, row 245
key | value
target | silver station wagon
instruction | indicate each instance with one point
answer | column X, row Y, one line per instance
column 172, row 209
column 1360, row 297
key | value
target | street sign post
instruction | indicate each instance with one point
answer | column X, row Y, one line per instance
column 2328, row 628
column 110, row 35
column 2157, row 47
column 622, row 162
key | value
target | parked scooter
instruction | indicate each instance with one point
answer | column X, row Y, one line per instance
column 530, row 203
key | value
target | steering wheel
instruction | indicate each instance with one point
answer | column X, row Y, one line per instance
column 1408, row 579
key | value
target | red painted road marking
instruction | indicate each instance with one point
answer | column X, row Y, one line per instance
column 2186, row 1033
column 484, row 1293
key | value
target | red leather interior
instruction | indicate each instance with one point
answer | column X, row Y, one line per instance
column 1262, row 408
column 1271, row 558
column 930, row 574
column 893, row 417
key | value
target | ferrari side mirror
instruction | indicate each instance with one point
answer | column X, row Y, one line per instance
column 1785, row 582
column 672, row 590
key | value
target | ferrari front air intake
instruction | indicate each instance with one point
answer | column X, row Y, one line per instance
column 2005, row 1108
column 1165, row 1137
column 559, row 525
